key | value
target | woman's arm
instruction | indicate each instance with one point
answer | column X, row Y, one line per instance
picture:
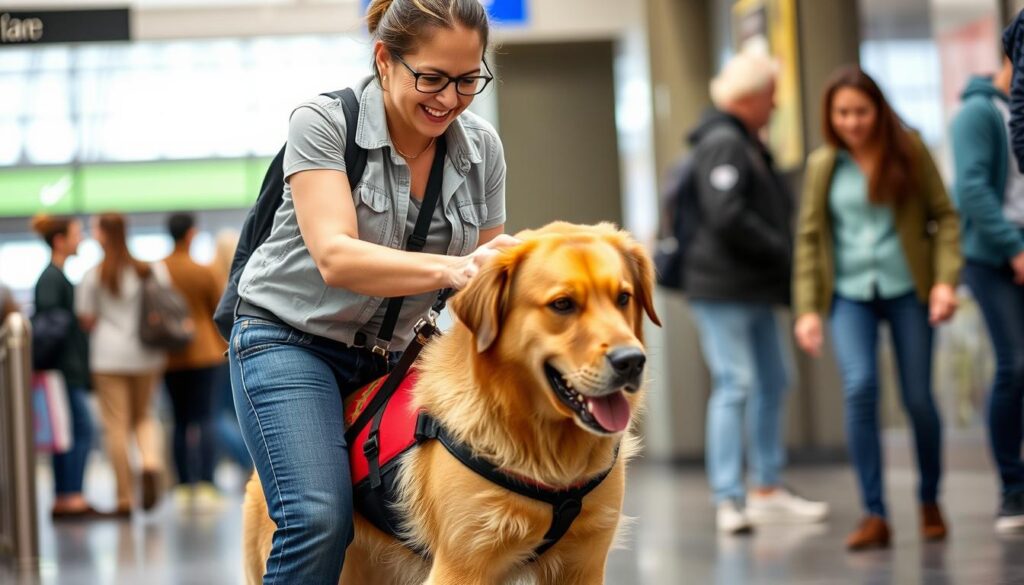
column 489, row 234
column 808, row 329
column 806, row 267
column 327, row 220
column 947, row 258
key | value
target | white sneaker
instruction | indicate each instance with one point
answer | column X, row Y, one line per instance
column 1011, row 515
column 732, row 519
column 783, row 507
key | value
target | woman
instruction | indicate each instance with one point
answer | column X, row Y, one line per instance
column 312, row 296
column 125, row 372
column 877, row 241
column 55, row 295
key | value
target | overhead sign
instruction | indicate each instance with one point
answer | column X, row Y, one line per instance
column 502, row 12
column 31, row 27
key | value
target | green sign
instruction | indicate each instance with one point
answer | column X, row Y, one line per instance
column 132, row 187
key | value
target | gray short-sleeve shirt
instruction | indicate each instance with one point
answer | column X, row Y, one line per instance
column 282, row 277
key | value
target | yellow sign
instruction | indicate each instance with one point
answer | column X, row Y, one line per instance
column 774, row 21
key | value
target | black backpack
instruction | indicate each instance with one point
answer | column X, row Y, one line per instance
column 679, row 218
column 260, row 219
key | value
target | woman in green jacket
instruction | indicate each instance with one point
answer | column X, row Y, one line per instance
column 877, row 241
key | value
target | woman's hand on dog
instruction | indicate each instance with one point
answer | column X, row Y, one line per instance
column 464, row 268
column 808, row 334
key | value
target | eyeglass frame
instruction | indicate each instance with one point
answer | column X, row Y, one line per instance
column 417, row 74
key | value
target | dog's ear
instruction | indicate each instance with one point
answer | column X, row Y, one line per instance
column 642, row 268
column 481, row 305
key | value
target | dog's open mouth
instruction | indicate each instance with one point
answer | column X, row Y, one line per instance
column 605, row 414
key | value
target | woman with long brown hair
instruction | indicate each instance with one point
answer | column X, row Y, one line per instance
column 877, row 241
column 125, row 372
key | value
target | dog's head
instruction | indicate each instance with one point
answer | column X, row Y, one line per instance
column 562, row 313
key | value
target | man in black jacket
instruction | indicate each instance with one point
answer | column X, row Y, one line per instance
column 737, row 271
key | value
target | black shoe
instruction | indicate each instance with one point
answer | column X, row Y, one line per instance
column 1011, row 514
column 150, row 489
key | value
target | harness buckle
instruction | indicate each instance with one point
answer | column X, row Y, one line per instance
column 371, row 448
column 381, row 350
column 426, row 427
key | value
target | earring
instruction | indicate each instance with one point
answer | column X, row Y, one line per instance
column 385, row 78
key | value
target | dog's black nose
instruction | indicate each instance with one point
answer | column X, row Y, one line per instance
column 628, row 363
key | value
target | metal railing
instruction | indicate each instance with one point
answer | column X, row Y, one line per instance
column 18, row 531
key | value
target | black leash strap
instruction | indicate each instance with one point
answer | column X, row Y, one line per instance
column 415, row 243
column 425, row 330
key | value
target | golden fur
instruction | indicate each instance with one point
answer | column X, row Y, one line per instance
column 485, row 382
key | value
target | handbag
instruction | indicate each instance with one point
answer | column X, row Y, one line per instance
column 51, row 412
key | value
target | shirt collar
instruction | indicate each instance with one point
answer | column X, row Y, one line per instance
column 372, row 130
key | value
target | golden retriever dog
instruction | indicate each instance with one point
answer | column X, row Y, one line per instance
column 541, row 376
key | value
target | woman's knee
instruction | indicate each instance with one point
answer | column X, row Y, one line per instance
column 920, row 405
column 327, row 525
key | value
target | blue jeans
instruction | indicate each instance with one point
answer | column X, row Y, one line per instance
column 742, row 345
column 1002, row 304
column 69, row 468
column 288, row 388
column 855, row 337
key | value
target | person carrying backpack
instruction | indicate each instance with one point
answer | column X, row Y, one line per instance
column 312, row 318
column 737, row 271
column 125, row 370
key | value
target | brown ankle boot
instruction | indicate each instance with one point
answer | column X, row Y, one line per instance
column 933, row 527
column 873, row 532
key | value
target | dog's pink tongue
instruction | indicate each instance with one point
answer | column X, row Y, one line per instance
column 611, row 412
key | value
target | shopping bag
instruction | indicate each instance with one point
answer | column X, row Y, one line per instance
column 51, row 412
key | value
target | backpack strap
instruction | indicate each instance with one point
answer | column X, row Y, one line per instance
column 355, row 155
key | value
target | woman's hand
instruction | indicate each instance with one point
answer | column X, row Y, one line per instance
column 1017, row 263
column 808, row 334
column 941, row 303
column 464, row 268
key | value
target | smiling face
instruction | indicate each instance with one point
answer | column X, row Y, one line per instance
column 854, row 117
column 566, row 309
column 412, row 114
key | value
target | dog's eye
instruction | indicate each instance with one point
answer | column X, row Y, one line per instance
column 624, row 299
column 563, row 305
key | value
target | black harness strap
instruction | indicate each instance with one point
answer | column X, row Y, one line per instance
column 566, row 504
column 415, row 243
column 425, row 330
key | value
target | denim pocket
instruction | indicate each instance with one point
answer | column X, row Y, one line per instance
column 256, row 335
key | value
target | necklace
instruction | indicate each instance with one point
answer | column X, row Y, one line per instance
column 411, row 157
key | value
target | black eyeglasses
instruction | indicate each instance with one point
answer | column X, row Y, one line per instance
column 467, row 85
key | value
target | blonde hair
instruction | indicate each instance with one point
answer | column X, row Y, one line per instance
column 751, row 70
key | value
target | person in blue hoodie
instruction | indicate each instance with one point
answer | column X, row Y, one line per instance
column 989, row 193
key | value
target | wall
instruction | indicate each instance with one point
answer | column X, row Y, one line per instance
column 559, row 133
